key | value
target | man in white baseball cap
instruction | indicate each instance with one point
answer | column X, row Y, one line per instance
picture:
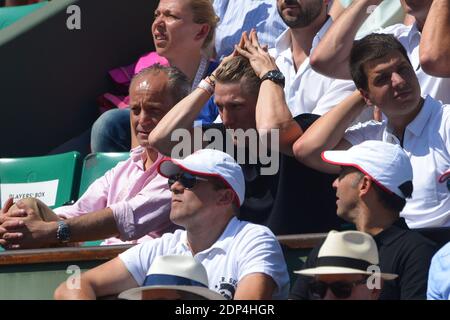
column 347, row 268
column 374, row 182
column 243, row 260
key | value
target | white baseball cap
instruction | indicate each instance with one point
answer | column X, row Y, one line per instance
column 174, row 272
column 386, row 164
column 347, row 252
column 209, row 163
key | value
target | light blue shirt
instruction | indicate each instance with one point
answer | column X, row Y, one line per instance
column 237, row 16
column 439, row 275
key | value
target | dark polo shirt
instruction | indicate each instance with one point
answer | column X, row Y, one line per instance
column 401, row 251
column 297, row 199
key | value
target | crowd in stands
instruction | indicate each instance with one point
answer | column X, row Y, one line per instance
column 253, row 119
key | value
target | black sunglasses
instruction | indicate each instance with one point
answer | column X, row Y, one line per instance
column 186, row 179
column 340, row 289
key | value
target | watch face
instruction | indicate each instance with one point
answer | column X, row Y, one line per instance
column 276, row 75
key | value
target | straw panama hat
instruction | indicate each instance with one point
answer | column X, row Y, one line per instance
column 348, row 252
column 182, row 273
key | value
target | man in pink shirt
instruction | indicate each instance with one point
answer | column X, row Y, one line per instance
column 131, row 201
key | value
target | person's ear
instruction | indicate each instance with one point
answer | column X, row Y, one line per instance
column 365, row 185
column 366, row 97
column 226, row 197
column 203, row 32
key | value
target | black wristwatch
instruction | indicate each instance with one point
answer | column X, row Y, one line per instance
column 275, row 76
column 63, row 232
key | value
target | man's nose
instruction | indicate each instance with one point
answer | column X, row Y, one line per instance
column 397, row 79
column 329, row 295
column 227, row 118
column 335, row 183
column 177, row 188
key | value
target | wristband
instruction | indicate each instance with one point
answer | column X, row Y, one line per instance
column 205, row 85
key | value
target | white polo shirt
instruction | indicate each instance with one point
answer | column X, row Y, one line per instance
column 409, row 37
column 306, row 90
column 243, row 248
column 427, row 143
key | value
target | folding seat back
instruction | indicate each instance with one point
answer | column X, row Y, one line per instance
column 52, row 179
column 96, row 164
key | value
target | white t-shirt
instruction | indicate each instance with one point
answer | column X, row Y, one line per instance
column 243, row 248
column 409, row 37
column 427, row 143
column 306, row 90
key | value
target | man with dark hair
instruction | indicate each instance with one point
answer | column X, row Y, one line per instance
column 332, row 54
column 385, row 78
column 371, row 191
column 130, row 201
column 370, row 48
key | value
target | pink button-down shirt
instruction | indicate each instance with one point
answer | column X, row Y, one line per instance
column 139, row 199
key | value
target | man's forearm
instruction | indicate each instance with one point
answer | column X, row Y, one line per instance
column 96, row 225
column 181, row 116
column 84, row 292
column 435, row 41
column 327, row 132
column 272, row 113
column 331, row 56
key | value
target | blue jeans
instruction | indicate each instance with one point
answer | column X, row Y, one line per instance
column 111, row 132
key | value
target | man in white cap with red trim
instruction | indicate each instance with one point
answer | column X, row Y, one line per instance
column 243, row 260
column 374, row 182
column 347, row 268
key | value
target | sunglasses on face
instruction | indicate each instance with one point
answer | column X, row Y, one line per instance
column 340, row 289
column 186, row 179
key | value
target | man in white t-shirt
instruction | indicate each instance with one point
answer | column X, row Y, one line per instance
column 385, row 77
column 243, row 260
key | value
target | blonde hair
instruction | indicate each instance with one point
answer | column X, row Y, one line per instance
column 203, row 12
column 237, row 68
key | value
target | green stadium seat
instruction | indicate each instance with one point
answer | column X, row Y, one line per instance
column 52, row 179
column 96, row 164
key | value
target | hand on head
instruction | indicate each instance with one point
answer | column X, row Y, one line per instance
column 258, row 55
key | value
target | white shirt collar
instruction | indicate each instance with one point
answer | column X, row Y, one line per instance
column 419, row 123
column 421, row 120
column 283, row 42
column 223, row 242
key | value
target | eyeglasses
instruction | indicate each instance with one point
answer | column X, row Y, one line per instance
column 340, row 289
column 186, row 179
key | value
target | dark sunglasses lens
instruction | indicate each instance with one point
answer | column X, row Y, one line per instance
column 318, row 289
column 186, row 179
column 341, row 290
